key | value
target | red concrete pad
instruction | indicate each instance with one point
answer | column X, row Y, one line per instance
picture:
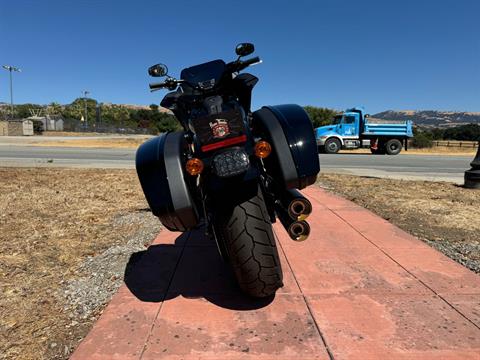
column 121, row 331
column 327, row 200
column 468, row 305
column 438, row 272
column 199, row 329
column 373, row 326
column 320, row 269
column 328, row 231
column 379, row 231
column 371, row 288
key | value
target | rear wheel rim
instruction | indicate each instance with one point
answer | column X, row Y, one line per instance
column 393, row 147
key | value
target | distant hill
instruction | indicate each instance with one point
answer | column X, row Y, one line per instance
column 430, row 118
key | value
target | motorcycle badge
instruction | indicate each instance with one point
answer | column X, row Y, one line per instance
column 220, row 128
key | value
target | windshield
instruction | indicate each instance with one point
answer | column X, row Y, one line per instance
column 337, row 119
column 205, row 75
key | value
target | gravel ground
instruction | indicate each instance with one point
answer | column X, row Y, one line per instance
column 444, row 215
column 100, row 276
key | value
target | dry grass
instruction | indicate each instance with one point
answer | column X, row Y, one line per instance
column 75, row 134
column 50, row 221
column 111, row 143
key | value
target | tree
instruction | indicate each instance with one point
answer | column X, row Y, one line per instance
column 470, row 132
column 76, row 110
column 320, row 116
column 54, row 108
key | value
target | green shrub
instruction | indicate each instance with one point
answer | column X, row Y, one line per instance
column 422, row 140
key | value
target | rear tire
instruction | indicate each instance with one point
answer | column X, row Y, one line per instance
column 246, row 232
column 332, row 146
column 393, row 147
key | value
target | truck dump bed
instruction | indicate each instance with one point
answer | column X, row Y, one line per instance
column 387, row 127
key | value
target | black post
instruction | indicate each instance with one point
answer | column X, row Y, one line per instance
column 11, row 93
column 472, row 176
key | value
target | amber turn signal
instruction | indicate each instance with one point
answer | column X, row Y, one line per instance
column 262, row 149
column 194, row 166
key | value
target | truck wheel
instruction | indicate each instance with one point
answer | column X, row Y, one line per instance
column 246, row 232
column 393, row 147
column 332, row 146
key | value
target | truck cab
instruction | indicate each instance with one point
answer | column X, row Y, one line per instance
column 354, row 129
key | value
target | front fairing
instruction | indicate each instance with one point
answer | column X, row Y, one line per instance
column 205, row 76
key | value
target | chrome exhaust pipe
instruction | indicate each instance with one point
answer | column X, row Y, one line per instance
column 297, row 205
column 298, row 230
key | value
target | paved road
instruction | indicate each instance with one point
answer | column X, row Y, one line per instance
column 424, row 167
column 66, row 156
column 427, row 167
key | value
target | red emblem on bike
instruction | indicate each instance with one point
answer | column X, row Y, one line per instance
column 219, row 128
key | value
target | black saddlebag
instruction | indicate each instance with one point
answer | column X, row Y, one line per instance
column 160, row 168
column 294, row 160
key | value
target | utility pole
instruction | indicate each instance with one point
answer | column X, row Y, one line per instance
column 85, row 93
column 10, row 68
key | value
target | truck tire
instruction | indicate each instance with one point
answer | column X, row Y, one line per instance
column 393, row 147
column 332, row 146
column 246, row 232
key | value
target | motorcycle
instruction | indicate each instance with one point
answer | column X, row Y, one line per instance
column 231, row 170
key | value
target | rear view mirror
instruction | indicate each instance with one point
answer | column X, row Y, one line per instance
column 244, row 49
column 158, row 70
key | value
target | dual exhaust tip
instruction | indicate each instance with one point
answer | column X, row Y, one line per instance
column 292, row 208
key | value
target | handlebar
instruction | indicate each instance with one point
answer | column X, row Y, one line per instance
column 251, row 61
column 240, row 65
column 156, row 86
column 235, row 66
column 170, row 84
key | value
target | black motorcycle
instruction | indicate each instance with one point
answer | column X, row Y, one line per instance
column 231, row 170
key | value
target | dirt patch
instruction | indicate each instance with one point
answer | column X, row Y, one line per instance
column 121, row 143
column 444, row 215
column 65, row 238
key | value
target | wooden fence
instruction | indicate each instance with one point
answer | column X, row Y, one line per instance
column 454, row 144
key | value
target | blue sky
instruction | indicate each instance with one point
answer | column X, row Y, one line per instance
column 331, row 53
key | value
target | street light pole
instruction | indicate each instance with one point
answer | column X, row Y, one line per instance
column 10, row 68
column 85, row 93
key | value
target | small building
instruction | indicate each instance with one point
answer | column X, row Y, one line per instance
column 21, row 127
column 49, row 123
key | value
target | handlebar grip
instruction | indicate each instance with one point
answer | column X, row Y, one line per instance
column 251, row 61
column 159, row 85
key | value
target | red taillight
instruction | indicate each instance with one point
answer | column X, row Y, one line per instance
column 224, row 143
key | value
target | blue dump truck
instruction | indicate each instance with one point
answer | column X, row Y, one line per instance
column 354, row 129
